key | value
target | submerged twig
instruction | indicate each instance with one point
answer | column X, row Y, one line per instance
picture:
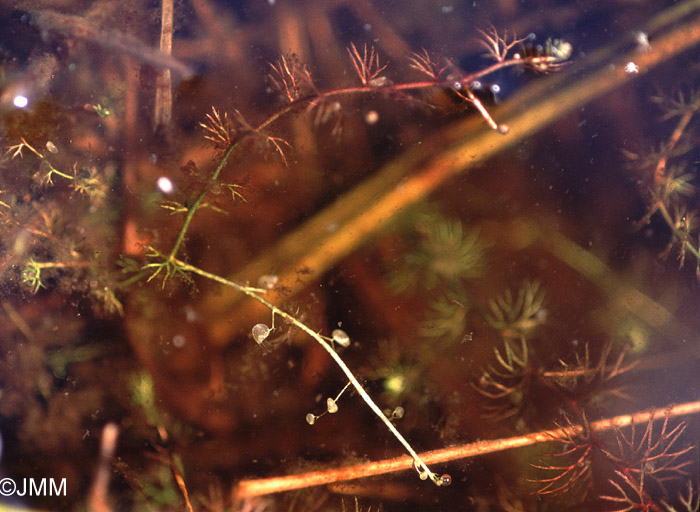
column 98, row 499
column 164, row 94
column 81, row 28
column 260, row 487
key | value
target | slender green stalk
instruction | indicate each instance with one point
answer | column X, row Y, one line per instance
column 461, row 83
column 195, row 206
column 254, row 293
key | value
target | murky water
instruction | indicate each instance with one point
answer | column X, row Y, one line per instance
column 481, row 214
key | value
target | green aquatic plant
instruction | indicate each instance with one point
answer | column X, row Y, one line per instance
column 446, row 317
column 46, row 247
column 517, row 316
column 448, row 251
column 444, row 253
column 447, row 267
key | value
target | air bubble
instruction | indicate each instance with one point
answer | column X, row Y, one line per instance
column 165, row 185
column 444, row 480
column 51, row 147
column 371, row 117
column 20, row 101
column 457, row 86
column 476, row 85
column 398, row 413
column 631, row 68
column 341, row 337
column 310, row 418
column 260, row 333
column 495, row 88
column 331, row 406
column 179, row 341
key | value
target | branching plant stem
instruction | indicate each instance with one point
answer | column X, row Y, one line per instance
column 254, row 293
column 261, row 487
column 421, row 170
column 172, row 264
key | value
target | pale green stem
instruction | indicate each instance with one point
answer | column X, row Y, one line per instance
column 253, row 293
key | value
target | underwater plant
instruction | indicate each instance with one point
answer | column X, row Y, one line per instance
column 290, row 201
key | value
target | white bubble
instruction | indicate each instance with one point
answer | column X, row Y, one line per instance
column 179, row 341
column 631, row 68
column 495, row 88
column 260, row 333
column 642, row 39
column 371, row 117
column 165, row 185
column 20, row 101
column 190, row 314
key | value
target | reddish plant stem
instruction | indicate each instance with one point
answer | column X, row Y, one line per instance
column 260, row 487
column 660, row 169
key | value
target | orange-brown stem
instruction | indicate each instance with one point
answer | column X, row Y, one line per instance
column 260, row 487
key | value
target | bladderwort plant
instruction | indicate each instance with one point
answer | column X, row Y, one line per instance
column 294, row 83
